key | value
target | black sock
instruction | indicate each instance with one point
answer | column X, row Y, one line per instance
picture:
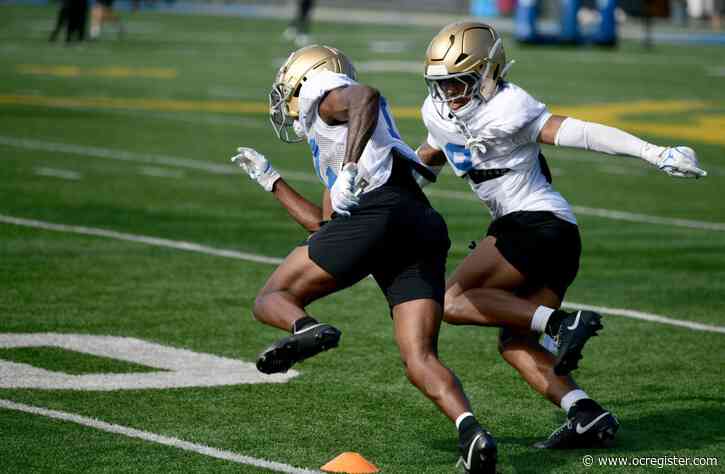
column 552, row 325
column 467, row 430
column 302, row 323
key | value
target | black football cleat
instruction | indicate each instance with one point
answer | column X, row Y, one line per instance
column 574, row 331
column 308, row 342
column 478, row 456
column 588, row 425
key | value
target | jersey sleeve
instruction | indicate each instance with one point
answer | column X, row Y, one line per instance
column 425, row 112
column 314, row 89
column 531, row 132
column 519, row 113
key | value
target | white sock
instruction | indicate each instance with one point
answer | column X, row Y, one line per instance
column 462, row 417
column 541, row 317
column 571, row 398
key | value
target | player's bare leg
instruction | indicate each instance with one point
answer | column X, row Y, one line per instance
column 522, row 351
column 482, row 292
column 297, row 282
column 417, row 324
column 494, row 303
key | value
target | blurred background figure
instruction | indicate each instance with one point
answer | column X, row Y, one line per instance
column 717, row 14
column 298, row 30
column 72, row 14
column 707, row 9
column 62, row 19
column 102, row 13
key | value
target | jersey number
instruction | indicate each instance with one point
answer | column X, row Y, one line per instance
column 459, row 156
column 330, row 176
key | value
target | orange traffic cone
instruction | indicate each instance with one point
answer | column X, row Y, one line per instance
column 350, row 463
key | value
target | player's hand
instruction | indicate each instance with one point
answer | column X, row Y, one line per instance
column 342, row 194
column 476, row 145
column 257, row 167
column 680, row 162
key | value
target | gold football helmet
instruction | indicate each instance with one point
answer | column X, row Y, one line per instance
column 299, row 67
column 469, row 52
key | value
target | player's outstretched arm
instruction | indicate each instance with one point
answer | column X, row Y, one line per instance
column 259, row 169
column 433, row 158
column 679, row 161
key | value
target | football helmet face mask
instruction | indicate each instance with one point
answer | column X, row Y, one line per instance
column 468, row 52
column 299, row 67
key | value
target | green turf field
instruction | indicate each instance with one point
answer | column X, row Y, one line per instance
column 133, row 137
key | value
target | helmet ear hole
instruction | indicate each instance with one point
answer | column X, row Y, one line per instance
column 297, row 90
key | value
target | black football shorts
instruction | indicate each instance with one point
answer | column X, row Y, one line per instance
column 543, row 247
column 395, row 235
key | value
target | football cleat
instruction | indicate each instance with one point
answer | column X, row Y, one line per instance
column 574, row 331
column 308, row 342
column 478, row 456
column 588, row 425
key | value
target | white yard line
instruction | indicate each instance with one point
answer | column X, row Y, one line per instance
column 654, row 318
column 57, row 173
column 148, row 158
column 192, row 247
column 155, row 438
column 142, row 239
column 157, row 172
column 158, row 159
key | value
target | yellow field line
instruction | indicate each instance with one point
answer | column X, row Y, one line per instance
column 166, row 105
column 113, row 71
column 695, row 122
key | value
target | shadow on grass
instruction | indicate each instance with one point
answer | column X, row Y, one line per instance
column 668, row 432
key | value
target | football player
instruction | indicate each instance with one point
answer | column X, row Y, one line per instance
column 374, row 220
column 489, row 131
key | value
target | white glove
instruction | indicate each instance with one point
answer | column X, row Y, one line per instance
column 679, row 161
column 257, row 167
column 342, row 194
column 476, row 145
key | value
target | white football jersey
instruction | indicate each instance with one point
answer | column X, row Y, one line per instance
column 328, row 142
column 509, row 126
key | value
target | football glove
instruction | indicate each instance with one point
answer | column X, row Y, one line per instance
column 257, row 167
column 342, row 193
column 679, row 161
column 476, row 145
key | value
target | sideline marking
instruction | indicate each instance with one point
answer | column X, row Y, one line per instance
column 155, row 438
column 226, row 169
column 695, row 326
